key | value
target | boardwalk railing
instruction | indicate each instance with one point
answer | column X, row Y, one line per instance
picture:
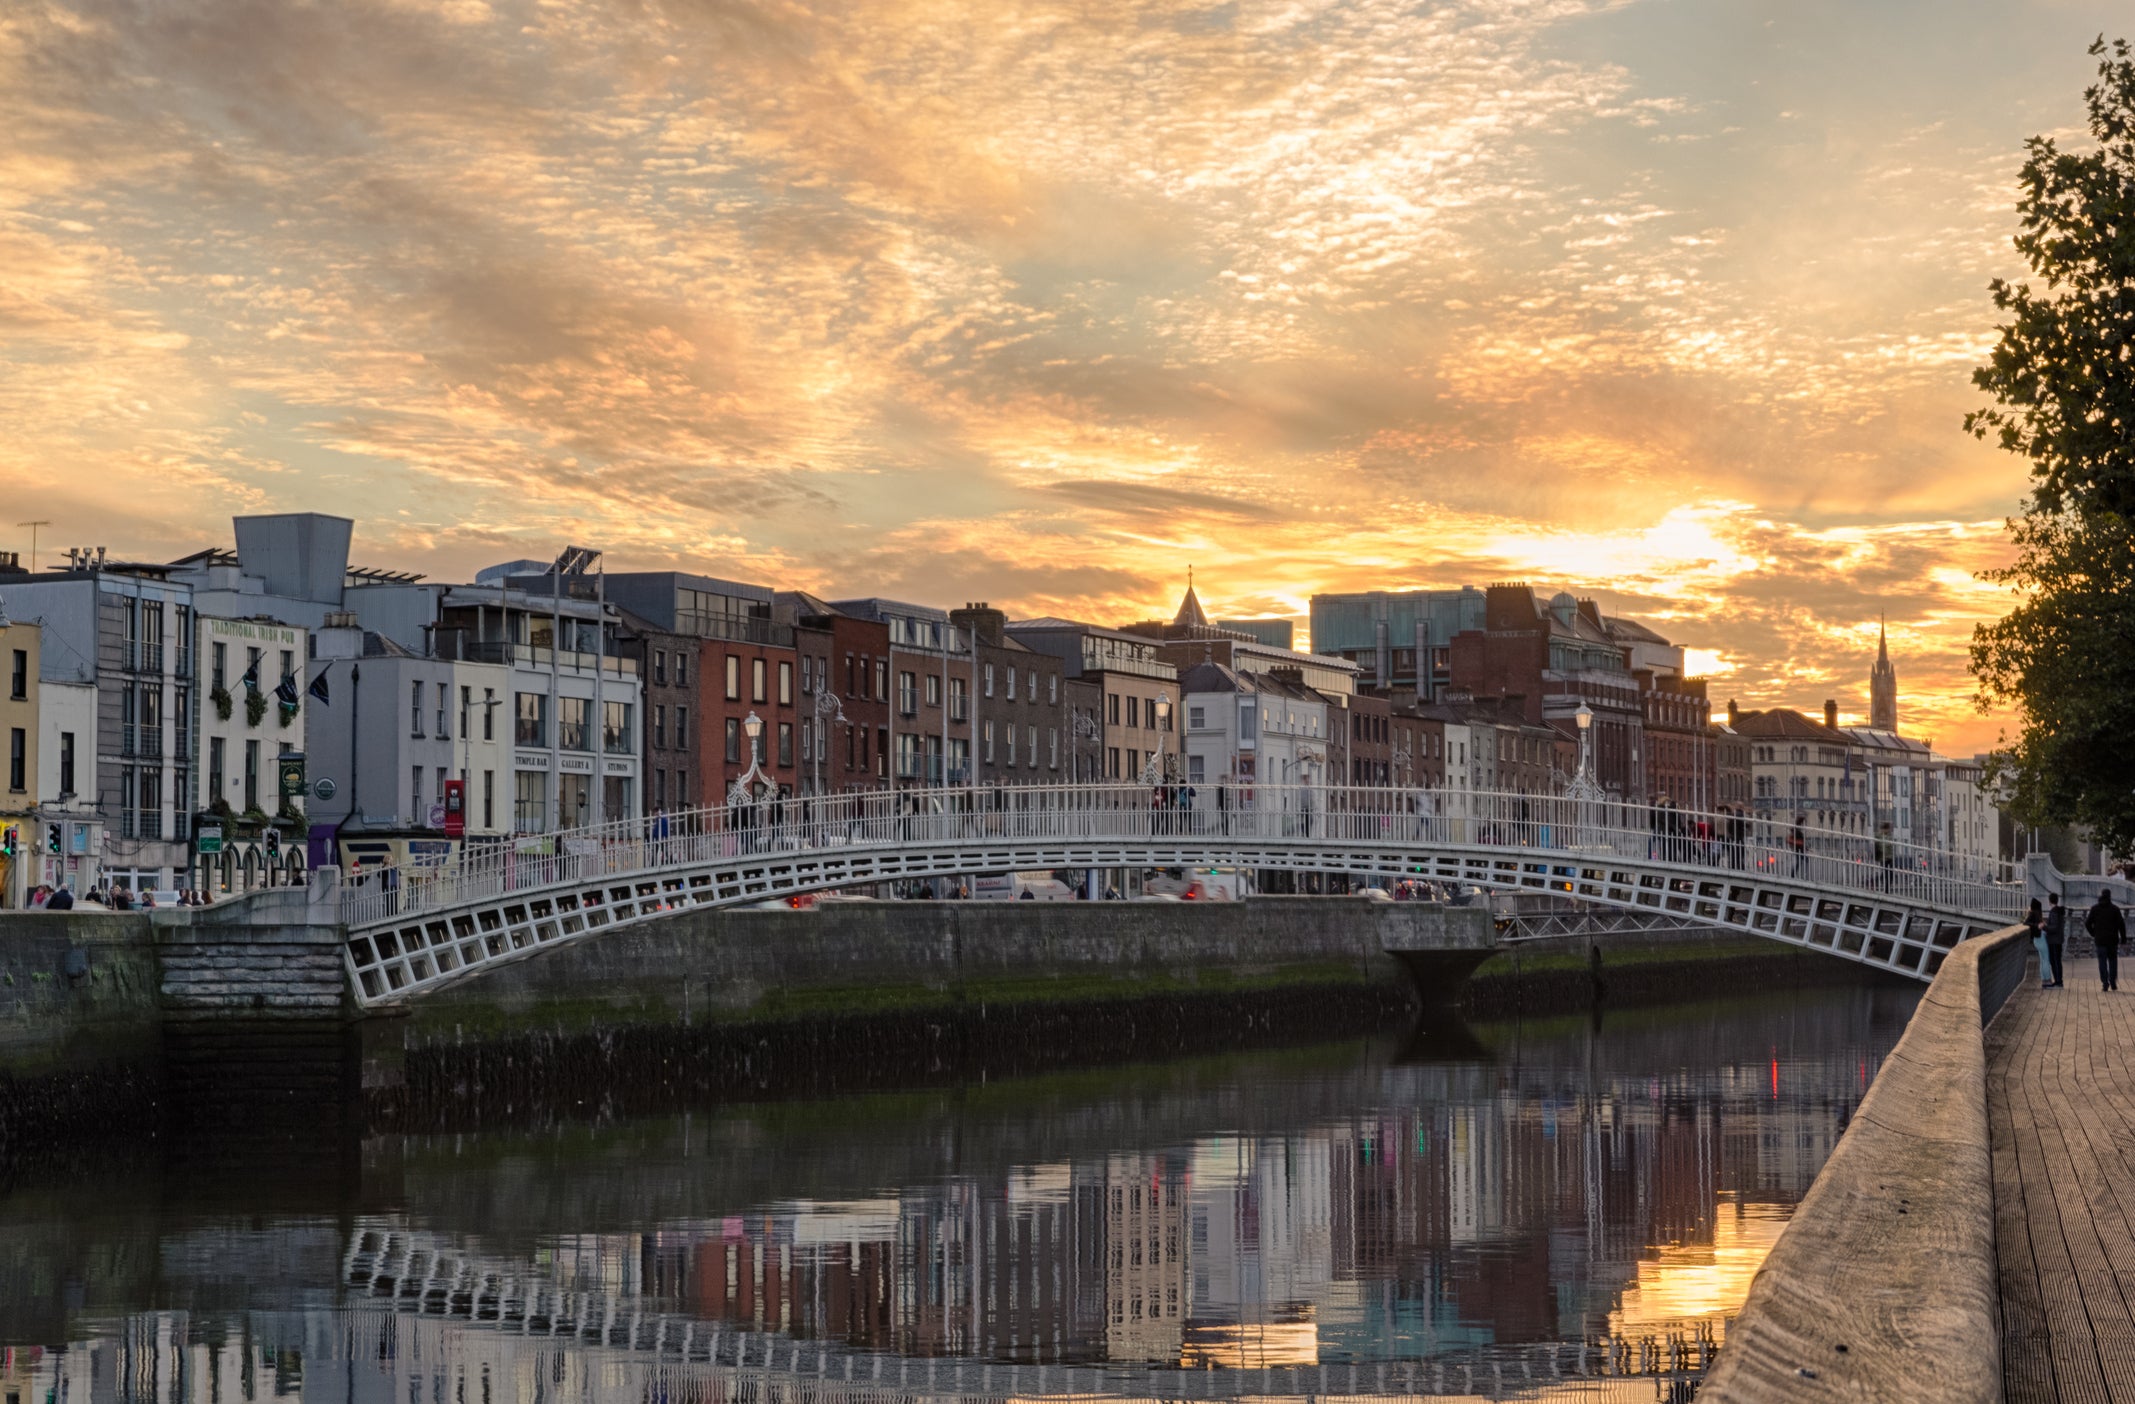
column 1206, row 820
column 1883, row 1285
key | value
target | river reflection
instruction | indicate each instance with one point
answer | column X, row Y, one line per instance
column 1554, row 1211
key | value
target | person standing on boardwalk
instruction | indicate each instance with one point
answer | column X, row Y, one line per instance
column 2056, row 934
column 2108, row 928
column 2035, row 923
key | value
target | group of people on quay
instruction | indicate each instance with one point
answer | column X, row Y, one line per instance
column 2105, row 923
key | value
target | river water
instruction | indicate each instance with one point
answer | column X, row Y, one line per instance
column 1566, row 1209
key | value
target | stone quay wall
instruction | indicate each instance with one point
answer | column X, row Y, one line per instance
column 1883, row 1285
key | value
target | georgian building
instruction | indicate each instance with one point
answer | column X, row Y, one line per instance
column 1019, row 720
column 1131, row 678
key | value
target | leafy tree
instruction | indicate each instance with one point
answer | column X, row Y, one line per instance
column 2063, row 380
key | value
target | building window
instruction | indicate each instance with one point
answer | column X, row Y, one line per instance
column 218, row 770
column 908, row 694
column 882, row 679
column 66, row 763
column 682, row 795
column 1052, row 688
column 1196, row 718
column 733, row 677
column 615, row 728
column 533, row 728
column 785, row 683
column 756, row 679
column 489, row 799
column 1011, row 684
column 959, row 699
column 489, row 714
column 574, row 723
column 933, row 690
column 1112, row 762
column 1112, row 715
column 444, row 712
column 466, row 705
column 681, row 728
column 415, row 709
column 681, row 669
column 18, row 759
column 659, row 732
column 986, row 742
column 659, row 666
column 1052, row 748
column 19, row 675
column 1030, row 738
column 733, row 740
column 151, row 804
column 988, row 683
column 530, row 799
column 218, row 665
column 1008, row 737
column 785, row 743
column 1195, row 773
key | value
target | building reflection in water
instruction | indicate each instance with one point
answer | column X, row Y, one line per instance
column 1577, row 1191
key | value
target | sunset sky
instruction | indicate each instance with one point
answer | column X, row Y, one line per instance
column 1039, row 301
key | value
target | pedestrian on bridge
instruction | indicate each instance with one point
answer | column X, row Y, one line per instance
column 2035, row 923
column 2108, row 928
column 2056, row 935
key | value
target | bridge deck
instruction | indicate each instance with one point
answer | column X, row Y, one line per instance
column 2061, row 1108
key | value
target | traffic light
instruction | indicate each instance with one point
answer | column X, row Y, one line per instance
column 52, row 838
column 274, row 844
column 8, row 840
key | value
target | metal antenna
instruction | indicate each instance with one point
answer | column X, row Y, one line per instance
column 33, row 541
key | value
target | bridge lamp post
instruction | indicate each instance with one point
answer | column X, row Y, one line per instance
column 738, row 792
column 1153, row 772
column 1584, row 791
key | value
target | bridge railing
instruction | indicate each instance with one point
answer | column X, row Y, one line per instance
column 1179, row 823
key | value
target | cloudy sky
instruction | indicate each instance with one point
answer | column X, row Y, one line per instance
column 1039, row 301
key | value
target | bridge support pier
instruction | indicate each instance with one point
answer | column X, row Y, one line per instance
column 276, row 954
column 1440, row 955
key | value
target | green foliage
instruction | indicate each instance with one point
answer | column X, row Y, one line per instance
column 220, row 696
column 2063, row 380
column 255, row 707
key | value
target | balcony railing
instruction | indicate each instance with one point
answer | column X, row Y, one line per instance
column 138, row 739
column 143, row 657
column 908, row 702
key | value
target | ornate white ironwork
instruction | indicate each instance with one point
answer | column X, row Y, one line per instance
column 440, row 924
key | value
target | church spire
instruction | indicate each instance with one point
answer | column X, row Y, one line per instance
column 1883, row 684
column 1190, row 613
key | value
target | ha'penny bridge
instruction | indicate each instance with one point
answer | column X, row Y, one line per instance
column 1891, row 906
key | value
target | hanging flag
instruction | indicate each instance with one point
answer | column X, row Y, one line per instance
column 318, row 686
column 251, row 677
column 285, row 691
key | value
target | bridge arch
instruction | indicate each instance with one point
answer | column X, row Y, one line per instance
column 1826, row 896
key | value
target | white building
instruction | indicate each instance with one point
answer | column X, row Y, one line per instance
column 243, row 732
column 570, row 702
column 1245, row 730
column 66, row 788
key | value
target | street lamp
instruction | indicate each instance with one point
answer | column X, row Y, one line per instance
column 738, row 792
column 829, row 707
column 1086, row 729
column 1153, row 772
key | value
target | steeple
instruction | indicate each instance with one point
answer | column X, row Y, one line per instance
column 1883, row 684
column 1190, row 613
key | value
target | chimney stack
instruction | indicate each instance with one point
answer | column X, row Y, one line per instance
column 1734, row 714
column 1831, row 714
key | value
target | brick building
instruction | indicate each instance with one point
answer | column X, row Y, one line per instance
column 1019, row 719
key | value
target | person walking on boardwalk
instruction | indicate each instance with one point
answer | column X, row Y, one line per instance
column 2108, row 928
column 2035, row 923
column 2056, row 934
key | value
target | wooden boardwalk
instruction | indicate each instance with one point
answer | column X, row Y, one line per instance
column 2061, row 1110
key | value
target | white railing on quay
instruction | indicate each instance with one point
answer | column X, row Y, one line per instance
column 1205, row 820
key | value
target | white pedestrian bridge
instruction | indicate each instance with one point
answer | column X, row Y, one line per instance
column 1892, row 906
